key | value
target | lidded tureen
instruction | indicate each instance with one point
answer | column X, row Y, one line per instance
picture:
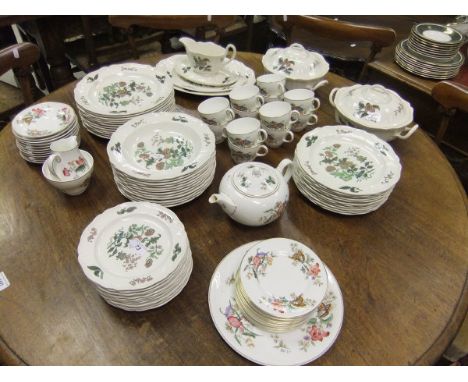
column 375, row 109
column 254, row 193
column 301, row 67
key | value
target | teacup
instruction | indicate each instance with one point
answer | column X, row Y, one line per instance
column 207, row 57
column 67, row 161
column 272, row 86
column 302, row 100
column 307, row 120
column 246, row 98
column 216, row 111
column 277, row 137
column 245, row 132
column 278, row 115
column 246, row 154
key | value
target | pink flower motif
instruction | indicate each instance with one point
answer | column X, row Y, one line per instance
column 314, row 270
column 316, row 334
column 38, row 112
column 80, row 161
column 256, row 261
column 66, row 172
column 235, row 323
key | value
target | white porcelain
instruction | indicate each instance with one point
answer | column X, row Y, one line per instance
column 74, row 186
column 241, row 154
column 207, row 57
column 216, row 111
column 306, row 121
column 246, row 98
column 245, row 114
column 297, row 347
column 66, row 161
column 277, row 118
column 272, row 86
column 295, row 63
column 303, row 84
column 245, row 75
column 254, row 193
column 245, row 132
column 276, row 138
column 302, row 100
column 372, row 106
column 222, row 78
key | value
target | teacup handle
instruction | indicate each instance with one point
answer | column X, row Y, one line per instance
column 314, row 118
column 295, row 115
column 331, row 97
column 230, row 113
column 407, row 132
column 260, row 100
column 315, row 103
column 281, row 88
column 264, row 135
column 285, row 168
column 260, row 149
column 289, row 134
column 230, row 48
column 53, row 160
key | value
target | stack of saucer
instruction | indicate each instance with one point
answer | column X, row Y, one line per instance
column 279, row 283
column 167, row 158
column 112, row 95
column 137, row 255
column 36, row 127
column 431, row 51
column 345, row 170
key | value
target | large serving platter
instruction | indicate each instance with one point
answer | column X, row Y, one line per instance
column 297, row 347
column 245, row 75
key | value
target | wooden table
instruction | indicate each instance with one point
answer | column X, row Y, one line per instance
column 402, row 269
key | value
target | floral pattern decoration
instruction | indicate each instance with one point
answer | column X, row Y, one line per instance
column 202, row 64
column 257, row 265
column 368, row 111
column 284, row 65
column 285, row 304
column 273, row 213
column 131, row 244
column 343, row 167
column 122, row 93
column 170, row 152
column 236, row 325
column 273, row 125
column 75, row 168
column 311, row 270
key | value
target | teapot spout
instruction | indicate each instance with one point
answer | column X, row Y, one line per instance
column 224, row 201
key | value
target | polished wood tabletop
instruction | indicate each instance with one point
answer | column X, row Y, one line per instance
column 402, row 269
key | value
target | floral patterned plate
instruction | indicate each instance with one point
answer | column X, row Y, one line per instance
column 298, row 347
column 122, row 89
column 161, row 146
column 283, row 278
column 132, row 246
column 348, row 160
column 43, row 120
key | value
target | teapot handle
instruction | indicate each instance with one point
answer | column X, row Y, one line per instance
column 285, row 168
column 232, row 48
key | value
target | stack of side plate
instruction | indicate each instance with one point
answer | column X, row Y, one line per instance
column 167, row 158
column 185, row 80
column 36, row 127
column 431, row 51
column 345, row 170
column 112, row 95
column 297, row 346
column 137, row 255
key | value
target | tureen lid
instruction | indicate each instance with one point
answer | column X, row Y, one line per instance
column 373, row 106
column 256, row 180
column 295, row 63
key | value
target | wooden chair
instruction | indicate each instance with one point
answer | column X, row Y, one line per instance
column 451, row 97
column 172, row 23
column 20, row 57
column 323, row 27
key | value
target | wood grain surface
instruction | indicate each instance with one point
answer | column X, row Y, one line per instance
column 402, row 269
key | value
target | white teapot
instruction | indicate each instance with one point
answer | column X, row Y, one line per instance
column 254, row 193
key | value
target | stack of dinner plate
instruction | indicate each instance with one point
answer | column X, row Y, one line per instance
column 279, row 283
column 36, row 127
column 168, row 158
column 431, row 51
column 112, row 95
column 137, row 255
column 345, row 170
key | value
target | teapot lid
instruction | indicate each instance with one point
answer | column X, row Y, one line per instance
column 256, row 180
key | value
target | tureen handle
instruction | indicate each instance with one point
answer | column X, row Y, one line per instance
column 296, row 45
column 285, row 168
column 406, row 133
column 319, row 85
column 331, row 98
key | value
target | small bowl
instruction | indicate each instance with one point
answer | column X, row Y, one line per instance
column 73, row 186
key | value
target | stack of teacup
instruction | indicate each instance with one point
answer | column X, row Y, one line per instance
column 272, row 87
column 305, row 102
column 216, row 113
column 277, row 118
column 245, row 138
column 246, row 100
